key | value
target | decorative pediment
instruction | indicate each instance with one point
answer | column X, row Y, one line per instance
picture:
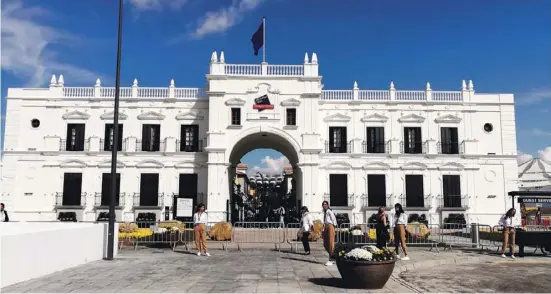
column 189, row 116
column 338, row 165
column 73, row 163
column 290, row 102
column 414, row 166
column 337, row 117
column 414, row 118
column 76, row 115
column 187, row 164
column 151, row 115
column 450, row 118
column 107, row 163
column 451, row 166
column 374, row 118
column 111, row 116
column 149, row 164
column 263, row 88
column 376, row 165
column 235, row 102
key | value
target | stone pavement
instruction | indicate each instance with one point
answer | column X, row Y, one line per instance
column 260, row 270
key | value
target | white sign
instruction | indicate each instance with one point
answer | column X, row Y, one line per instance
column 184, row 207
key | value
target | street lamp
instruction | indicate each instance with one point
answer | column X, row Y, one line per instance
column 112, row 199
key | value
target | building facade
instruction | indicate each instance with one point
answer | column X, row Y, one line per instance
column 436, row 152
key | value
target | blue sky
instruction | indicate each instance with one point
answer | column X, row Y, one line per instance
column 502, row 45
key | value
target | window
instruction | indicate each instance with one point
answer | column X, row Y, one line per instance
column 338, row 190
column 488, row 127
column 188, row 188
column 236, row 116
column 451, row 185
column 337, row 140
column 375, row 140
column 149, row 190
column 448, row 141
column 72, row 189
column 106, row 189
column 189, row 138
column 109, row 138
column 414, row 191
column 151, row 137
column 291, row 116
column 35, row 123
column 75, row 137
column 376, row 190
column 412, row 140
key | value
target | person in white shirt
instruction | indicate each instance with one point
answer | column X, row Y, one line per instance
column 399, row 222
column 200, row 221
column 3, row 214
column 306, row 226
column 329, row 224
column 509, row 232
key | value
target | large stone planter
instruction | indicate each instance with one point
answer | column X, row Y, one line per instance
column 365, row 274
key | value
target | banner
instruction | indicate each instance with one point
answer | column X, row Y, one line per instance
column 535, row 210
column 262, row 102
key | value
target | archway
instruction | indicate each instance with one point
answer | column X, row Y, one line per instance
column 265, row 194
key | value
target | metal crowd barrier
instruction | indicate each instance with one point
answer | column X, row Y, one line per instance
column 258, row 232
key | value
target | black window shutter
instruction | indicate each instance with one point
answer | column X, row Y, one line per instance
column 72, row 188
column 343, row 140
column 156, row 137
column 107, row 137
column 331, row 137
column 376, row 190
column 414, row 191
column 406, row 140
column 146, row 137
column 195, row 130
column 338, row 190
column 69, row 138
column 105, row 189
column 80, row 137
column 120, row 136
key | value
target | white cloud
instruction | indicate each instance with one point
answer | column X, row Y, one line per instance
column 26, row 46
column 157, row 5
column 545, row 154
column 533, row 97
column 523, row 157
column 223, row 19
column 271, row 166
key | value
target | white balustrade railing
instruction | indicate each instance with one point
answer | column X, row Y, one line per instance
column 243, row 69
column 285, row 70
column 157, row 92
column 189, row 93
column 78, row 92
column 447, row 96
column 140, row 92
column 374, row 95
column 337, row 95
column 411, row 95
column 109, row 92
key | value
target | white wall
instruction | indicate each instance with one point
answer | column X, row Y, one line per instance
column 32, row 250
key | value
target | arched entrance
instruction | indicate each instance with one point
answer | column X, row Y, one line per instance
column 269, row 189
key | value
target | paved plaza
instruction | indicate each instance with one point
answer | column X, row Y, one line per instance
column 264, row 270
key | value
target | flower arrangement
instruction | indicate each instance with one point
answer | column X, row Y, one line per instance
column 417, row 230
column 137, row 234
column 367, row 253
column 316, row 231
column 128, row 227
column 221, row 232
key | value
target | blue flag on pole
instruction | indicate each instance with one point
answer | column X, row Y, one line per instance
column 258, row 39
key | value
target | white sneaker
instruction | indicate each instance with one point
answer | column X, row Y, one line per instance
column 207, row 254
column 398, row 257
column 512, row 256
column 503, row 255
column 328, row 263
column 405, row 258
column 198, row 253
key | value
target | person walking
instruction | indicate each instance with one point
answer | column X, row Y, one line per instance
column 306, row 226
column 200, row 220
column 381, row 228
column 3, row 214
column 281, row 213
column 399, row 222
column 329, row 224
column 509, row 232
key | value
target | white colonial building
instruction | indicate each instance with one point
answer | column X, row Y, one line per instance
column 436, row 152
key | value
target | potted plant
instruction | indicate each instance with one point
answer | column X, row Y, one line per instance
column 366, row 267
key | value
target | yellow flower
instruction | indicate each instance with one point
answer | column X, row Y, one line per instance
column 140, row 233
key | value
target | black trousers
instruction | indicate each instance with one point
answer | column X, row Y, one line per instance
column 305, row 241
column 382, row 237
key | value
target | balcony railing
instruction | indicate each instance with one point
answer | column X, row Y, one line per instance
column 448, row 147
column 104, row 201
column 148, row 146
column 348, row 202
column 376, row 147
column 347, row 148
column 416, row 201
column 376, row 201
column 70, row 200
column 451, row 202
column 103, row 147
column 152, row 200
column 182, row 147
column 65, row 145
column 414, row 148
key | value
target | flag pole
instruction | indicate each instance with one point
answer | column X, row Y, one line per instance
column 115, row 146
column 264, row 39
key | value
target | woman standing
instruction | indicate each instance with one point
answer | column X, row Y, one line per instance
column 509, row 231
column 200, row 220
column 381, row 228
column 307, row 225
column 399, row 223
column 329, row 224
column 3, row 214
